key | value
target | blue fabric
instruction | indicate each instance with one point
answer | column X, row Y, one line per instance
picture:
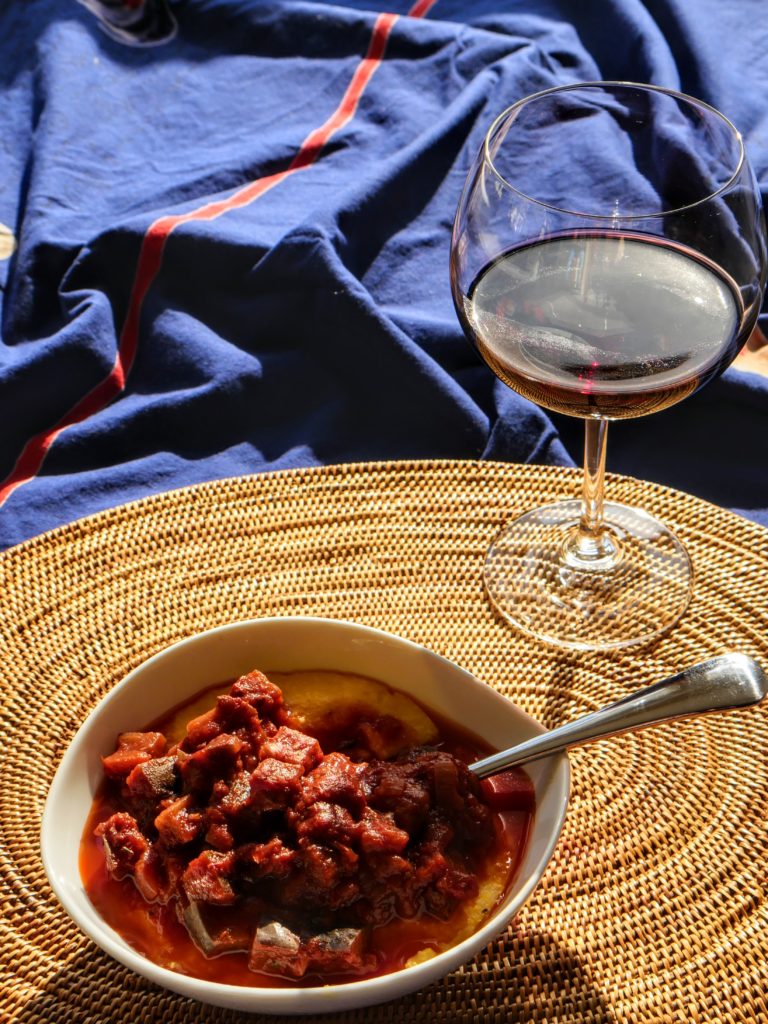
column 313, row 324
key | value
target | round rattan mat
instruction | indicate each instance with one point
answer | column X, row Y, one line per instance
column 655, row 905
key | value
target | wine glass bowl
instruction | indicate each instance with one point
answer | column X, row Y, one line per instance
column 608, row 259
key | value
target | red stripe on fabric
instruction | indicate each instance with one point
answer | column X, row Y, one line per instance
column 420, row 8
column 153, row 246
column 314, row 142
column 35, row 450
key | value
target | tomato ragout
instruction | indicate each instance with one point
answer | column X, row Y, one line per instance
column 283, row 838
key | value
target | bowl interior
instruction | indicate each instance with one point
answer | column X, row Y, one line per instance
column 290, row 644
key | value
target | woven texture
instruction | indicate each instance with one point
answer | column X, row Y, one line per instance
column 655, row 905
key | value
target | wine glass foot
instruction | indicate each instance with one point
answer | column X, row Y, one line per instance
column 536, row 584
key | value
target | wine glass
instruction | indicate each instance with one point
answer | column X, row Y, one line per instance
column 608, row 259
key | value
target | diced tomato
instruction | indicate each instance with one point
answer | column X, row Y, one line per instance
column 133, row 748
column 509, row 791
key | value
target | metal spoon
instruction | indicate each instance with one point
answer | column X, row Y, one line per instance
column 720, row 684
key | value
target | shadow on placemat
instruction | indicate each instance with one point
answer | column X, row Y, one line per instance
column 554, row 986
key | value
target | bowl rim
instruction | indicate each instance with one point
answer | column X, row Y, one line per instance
column 368, row 991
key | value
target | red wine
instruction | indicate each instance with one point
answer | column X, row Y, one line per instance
column 604, row 324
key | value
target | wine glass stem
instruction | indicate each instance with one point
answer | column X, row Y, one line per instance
column 593, row 487
column 591, row 545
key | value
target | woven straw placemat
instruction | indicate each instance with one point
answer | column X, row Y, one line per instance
column 655, row 906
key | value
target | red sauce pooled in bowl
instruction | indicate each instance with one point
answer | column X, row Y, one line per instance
column 250, row 848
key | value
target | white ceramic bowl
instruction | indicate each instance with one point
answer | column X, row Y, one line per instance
column 291, row 644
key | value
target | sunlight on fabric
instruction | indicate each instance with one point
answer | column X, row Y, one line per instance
column 7, row 242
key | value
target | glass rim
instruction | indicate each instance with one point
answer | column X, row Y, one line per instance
column 618, row 84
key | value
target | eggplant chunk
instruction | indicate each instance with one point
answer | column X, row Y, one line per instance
column 277, row 950
column 212, row 940
column 341, row 950
column 154, row 779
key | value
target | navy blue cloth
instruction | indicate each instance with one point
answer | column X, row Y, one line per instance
column 309, row 320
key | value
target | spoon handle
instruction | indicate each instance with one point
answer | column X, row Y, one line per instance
column 720, row 684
